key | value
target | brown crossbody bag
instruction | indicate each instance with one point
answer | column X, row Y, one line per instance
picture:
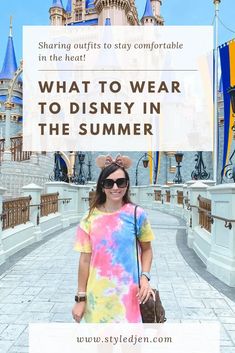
column 152, row 311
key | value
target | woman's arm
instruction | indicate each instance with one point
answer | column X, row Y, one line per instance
column 83, row 274
column 146, row 261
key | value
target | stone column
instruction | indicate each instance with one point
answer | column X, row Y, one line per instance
column 197, row 188
column 2, row 255
column 149, row 195
column 165, row 205
column 221, row 262
column 174, row 205
column 157, row 204
column 34, row 216
column 7, row 147
column 62, row 188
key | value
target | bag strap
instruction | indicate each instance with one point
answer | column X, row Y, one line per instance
column 136, row 242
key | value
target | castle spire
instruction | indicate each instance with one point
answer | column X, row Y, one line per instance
column 9, row 65
column 69, row 6
column 57, row 3
column 148, row 18
column 10, row 32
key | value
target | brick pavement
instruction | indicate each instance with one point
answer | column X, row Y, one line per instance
column 40, row 287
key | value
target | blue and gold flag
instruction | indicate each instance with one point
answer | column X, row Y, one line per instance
column 227, row 59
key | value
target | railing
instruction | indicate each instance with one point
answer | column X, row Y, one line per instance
column 168, row 196
column 49, row 204
column 15, row 212
column 180, row 197
column 204, row 210
column 158, row 195
column 17, row 153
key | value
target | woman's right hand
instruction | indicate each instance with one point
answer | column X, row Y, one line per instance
column 78, row 311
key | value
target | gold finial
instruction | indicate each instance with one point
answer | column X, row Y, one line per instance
column 10, row 34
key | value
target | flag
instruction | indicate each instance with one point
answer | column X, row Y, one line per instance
column 227, row 59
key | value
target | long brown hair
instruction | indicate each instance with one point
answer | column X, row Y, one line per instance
column 100, row 197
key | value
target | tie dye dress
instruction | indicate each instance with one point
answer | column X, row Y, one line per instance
column 113, row 280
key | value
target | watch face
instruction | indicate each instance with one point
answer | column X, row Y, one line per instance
column 79, row 299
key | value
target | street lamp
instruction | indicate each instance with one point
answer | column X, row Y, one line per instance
column 216, row 44
column 80, row 178
column 145, row 157
column 178, row 177
column 89, row 177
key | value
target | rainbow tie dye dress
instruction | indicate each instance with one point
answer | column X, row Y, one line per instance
column 113, row 280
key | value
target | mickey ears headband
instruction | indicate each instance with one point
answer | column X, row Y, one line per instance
column 122, row 161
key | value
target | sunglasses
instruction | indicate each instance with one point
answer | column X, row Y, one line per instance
column 109, row 183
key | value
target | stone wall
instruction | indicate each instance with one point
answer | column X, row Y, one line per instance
column 14, row 175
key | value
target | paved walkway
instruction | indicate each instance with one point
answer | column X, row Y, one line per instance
column 40, row 287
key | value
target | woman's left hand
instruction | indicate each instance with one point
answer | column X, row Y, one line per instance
column 145, row 290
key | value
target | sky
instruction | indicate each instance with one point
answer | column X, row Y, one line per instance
column 175, row 12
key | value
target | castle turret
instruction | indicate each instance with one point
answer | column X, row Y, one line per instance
column 57, row 13
column 9, row 65
column 156, row 6
column 122, row 12
column 13, row 109
column 148, row 18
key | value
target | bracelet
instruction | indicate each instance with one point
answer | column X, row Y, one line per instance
column 81, row 294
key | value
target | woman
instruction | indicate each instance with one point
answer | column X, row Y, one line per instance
column 108, row 286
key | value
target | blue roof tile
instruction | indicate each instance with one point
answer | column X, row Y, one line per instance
column 94, row 21
column 9, row 65
column 148, row 12
column 89, row 4
column 57, row 3
column 69, row 6
column 15, row 100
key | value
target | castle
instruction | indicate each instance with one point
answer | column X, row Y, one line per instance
column 92, row 13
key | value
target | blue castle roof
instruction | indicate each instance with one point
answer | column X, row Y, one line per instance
column 89, row 4
column 57, row 3
column 107, row 22
column 9, row 65
column 94, row 21
column 69, row 6
column 148, row 12
column 14, row 99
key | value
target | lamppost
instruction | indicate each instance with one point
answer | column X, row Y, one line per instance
column 200, row 172
column 216, row 42
column 145, row 157
column 80, row 177
column 229, row 170
column 89, row 177
column 178, row 178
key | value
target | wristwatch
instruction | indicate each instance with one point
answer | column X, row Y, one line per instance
column 147, row 275
column 80, row 298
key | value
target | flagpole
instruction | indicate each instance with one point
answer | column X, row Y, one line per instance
column 215, row 162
